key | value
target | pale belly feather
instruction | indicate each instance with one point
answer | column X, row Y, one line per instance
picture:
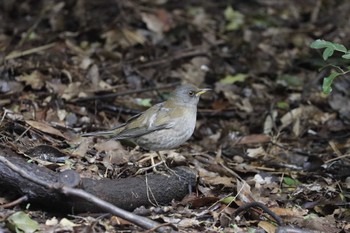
column 175, row 136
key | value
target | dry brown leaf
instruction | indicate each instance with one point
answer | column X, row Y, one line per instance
column 124, row 38
column 193, row 71
column 294, row 116
column 295, row 212
column 269, row 122
column 217, row 180
column 44, row 127
column 268, row 227
column 253, row 138
column 115, row 220
column 153, row 22
column 256, row 152
column 82, row 148
column 243, row 192
column 116, row 154
column 35, row 80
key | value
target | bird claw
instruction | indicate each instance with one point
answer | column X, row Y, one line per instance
column 153, row 167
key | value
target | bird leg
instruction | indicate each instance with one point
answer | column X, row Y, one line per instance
column 155, row 165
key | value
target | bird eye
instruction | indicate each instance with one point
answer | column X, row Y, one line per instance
column 191, row 93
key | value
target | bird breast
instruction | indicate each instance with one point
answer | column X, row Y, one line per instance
column 169, row 138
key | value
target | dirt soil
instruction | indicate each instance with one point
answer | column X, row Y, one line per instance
column 265, row 133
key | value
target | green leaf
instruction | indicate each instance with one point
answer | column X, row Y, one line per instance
column 235, row 19
column 327, row 82
column 339, row 47
column 346, row 56
column 227, row 200
column 327, row 53
column 144, row 102
column 290, row 80
column 21, row 222
column 230, row 79
column 282, row 105
column 290, row 182
column 319, row 44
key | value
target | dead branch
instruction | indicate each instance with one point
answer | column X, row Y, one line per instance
column 54, row 190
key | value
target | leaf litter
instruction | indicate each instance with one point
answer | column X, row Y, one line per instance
column 266, row 133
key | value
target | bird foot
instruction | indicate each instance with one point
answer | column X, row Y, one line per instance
column 153, row 167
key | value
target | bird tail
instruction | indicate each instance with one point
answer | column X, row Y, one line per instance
column 107, row 134
column 98, row 133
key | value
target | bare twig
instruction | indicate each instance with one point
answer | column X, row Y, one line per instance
column 113, row 95
column 250, row 205
column 15, row 202
column 339, row 157
column 17, row 54
column 169, row 59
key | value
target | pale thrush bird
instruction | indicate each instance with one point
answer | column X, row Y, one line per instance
column 163, row 126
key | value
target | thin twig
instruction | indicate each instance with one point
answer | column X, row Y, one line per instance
column 17, row 54
column 174, row 57
column 15, row 202
column 250, row 205
column 339, row 157
column 113, row 95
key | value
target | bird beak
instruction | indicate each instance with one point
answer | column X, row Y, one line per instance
column 202, row 91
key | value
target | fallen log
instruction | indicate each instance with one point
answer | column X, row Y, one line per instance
column 126, row 193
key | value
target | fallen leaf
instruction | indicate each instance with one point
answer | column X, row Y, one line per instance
column 153, row 22
column 253, row 138
column 67, row 223
column 21, row 222
column 231, row 79
column 235, row 19
column 268, row 227
column 35, row 80
column 43, row 127
column 256, row 152
column 10, row 87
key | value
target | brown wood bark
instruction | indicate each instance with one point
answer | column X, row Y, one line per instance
column 127, row 193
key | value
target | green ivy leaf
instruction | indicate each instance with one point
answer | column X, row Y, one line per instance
column 327, row 82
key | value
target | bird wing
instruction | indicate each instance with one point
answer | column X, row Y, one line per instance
column 155, row 118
